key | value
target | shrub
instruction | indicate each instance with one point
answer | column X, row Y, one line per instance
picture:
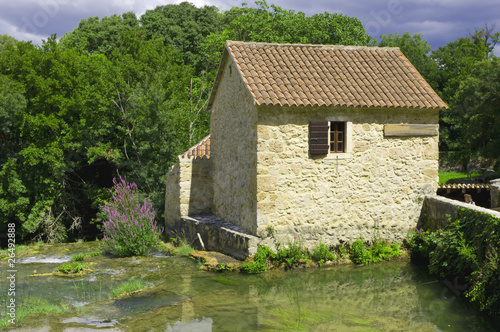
column 358, row 252
column 467, row 249
column 259, row 261
column 322, row 253
column 291, row 254
column 73, row 267
column 131, row 228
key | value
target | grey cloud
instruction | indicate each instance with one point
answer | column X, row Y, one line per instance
column 441, row 21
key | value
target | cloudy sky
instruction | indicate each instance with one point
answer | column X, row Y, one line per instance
column 440, row 21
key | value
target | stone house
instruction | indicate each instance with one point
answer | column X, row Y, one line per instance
column 313, row 141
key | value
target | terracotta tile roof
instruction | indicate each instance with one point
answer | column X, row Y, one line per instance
column 199, row 150
column 465, row 186
column 330, row 75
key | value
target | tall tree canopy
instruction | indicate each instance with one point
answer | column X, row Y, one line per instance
column 456, row 62
column 184, row 27
column 6, row 40
column 273, row 24
column 99, row 36
column 477, row 106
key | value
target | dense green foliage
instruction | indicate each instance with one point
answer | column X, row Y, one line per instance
column 129, row 93
column 360, row 253
column 468, row 249
column 120, row 93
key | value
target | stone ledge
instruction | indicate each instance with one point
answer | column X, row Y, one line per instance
column 436, row 210
column 217, row 235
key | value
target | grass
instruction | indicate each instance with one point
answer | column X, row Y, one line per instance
column 176, row 247
column 128, row 287
column 446, row 176
column 33, row 306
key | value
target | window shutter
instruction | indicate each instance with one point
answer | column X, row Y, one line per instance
column 318, row 137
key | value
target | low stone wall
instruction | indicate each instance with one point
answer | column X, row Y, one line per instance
column 436, row 210
column 189, row 189
column 216, row 234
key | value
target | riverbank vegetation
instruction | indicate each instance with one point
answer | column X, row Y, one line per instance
column 466, row 251
column 293, row 254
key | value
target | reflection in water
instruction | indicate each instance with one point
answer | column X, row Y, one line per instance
column 393, row 296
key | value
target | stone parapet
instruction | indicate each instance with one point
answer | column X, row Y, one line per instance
column 216, row 234
column 438, row 209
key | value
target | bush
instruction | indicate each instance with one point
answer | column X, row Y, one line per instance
column 322, row 253
column 358, row 252
column 259, row 263
column 73, row 267
column 292, row 254
column 467, row 249
column 131, row 228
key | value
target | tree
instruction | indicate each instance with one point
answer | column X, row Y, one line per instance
column 6, row 40
column 183, row 27
column 456, row 61
column 99, row 36
column 477, row 104
column 416, row 50
column 64, row 120
column 273, row 24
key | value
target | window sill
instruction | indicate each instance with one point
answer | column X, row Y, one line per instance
column 335, row 156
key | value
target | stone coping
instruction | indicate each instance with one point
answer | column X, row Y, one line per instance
column 217, row 222
column 217, row 235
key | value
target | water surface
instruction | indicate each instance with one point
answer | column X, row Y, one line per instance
column 391, row 296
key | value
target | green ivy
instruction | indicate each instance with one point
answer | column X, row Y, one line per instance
column 468, row 249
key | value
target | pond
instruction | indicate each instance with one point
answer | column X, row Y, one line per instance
column 389, row 296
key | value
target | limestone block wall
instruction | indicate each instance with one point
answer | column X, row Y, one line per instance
column 172, row 197
column 338, row 199
column 437, row 209
column 233, row 150
column 189, row 189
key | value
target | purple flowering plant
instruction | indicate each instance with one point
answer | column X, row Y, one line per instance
column 131, row 228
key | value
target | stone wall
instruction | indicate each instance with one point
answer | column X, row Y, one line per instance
column 189, row 189
column 337, row 197
column 495, row 194
column 436, row 210
column 217, row 235
column 233, row 150
column 172, row 197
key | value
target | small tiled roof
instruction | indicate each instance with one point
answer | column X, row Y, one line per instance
column 330, row 75
column 199, row 150
column 464, row 186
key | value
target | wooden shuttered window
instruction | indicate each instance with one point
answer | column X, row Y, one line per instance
column 337, row 137
column 318, row 137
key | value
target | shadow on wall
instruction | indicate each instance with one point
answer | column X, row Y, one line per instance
column 201, row 187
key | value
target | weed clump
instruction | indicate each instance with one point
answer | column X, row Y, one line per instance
column 128, row 287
